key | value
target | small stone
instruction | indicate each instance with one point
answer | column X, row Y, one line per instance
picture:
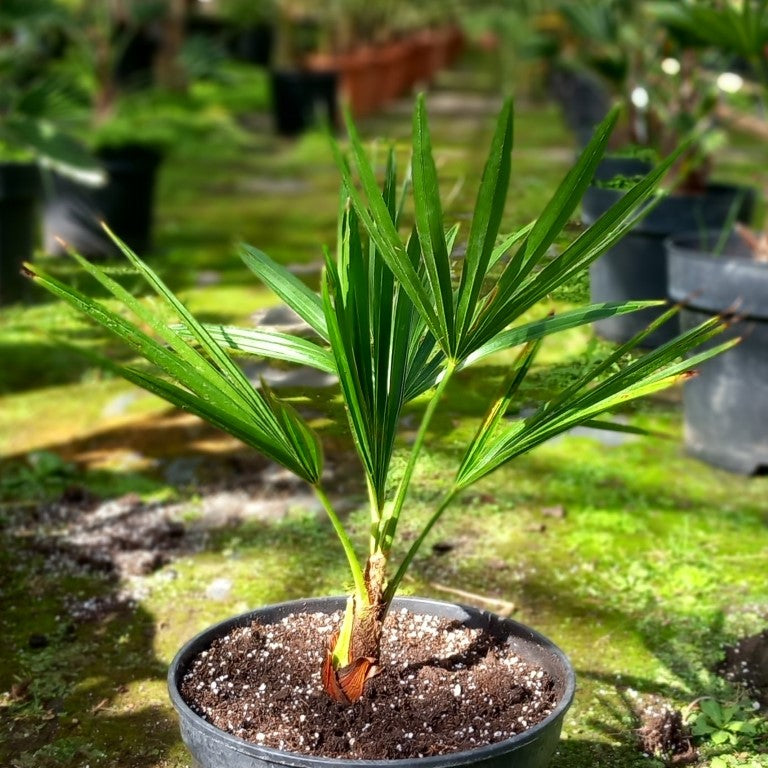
column 557, row 511
column 219, row 589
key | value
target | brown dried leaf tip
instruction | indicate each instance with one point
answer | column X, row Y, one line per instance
column 346, row 684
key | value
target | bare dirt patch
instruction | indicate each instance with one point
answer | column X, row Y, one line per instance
column 746, row 663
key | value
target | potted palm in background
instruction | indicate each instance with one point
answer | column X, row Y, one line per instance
column 360, row 53
column 119, row 133
column 253, row 32
column 130, row 122
column 33, row 105
column 631, row 51
column 721, row 268
column 395, row 324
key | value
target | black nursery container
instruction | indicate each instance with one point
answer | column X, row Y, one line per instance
column 254, row 44
column 726, row 404
column 301, row 98
column 534, row 748
column 583, row 99
column 19, row 193
column 636, row 267
column 74, row 211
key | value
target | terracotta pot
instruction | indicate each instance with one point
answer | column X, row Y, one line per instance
column 455, row 43
column 423, row 61
column 391, row 65
column 321, row 62
column 410, row 63
column 443, row 48
column 358, row 77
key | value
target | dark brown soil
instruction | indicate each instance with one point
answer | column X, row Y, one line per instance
column 120, row 537
column 444, row 688
column 746, row 663
column 663, row 735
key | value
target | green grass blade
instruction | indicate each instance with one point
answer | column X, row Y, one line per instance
column 303, row 440
column 587, row 248
column 191, row 402
column 353, row 304
column 626, row 429
column 508, row 242
column 391, row 313
column 611, row 227
column 502, row 310
column 423, row 376
column 450, row 237
column 562, row 204
column 582, row 403
column 210, row 397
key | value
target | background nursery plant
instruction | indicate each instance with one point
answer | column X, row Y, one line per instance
column 395, row 324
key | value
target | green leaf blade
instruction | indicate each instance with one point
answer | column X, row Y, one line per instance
column 269, row 344
column 429, row 223
column 303, row 301
column 486, row 220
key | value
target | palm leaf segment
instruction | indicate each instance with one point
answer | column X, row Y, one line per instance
column 737, row 28
column 454, row 323
column 200, row 377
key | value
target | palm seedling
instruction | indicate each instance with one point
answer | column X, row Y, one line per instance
column 394, row 323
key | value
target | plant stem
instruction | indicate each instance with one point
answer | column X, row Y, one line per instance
column 346, row 543
column 387, row 530
column 394, row 582
column 375, row 514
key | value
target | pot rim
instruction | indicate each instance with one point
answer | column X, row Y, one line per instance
column 688, row 243
column 307, row 605
column 729, row 280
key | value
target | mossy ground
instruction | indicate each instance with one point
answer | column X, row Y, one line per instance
column 654, row 563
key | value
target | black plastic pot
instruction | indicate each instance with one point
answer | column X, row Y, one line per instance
column 254, row 44
column 583, row 99
column 73, row 211
column 612, row 166
column 636, row 267
column 301, row 97
column 19, row 193
column 726, row 405
column 213, row 748
column 133, row 67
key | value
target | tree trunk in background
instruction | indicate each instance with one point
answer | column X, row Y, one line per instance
column 168, row 70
